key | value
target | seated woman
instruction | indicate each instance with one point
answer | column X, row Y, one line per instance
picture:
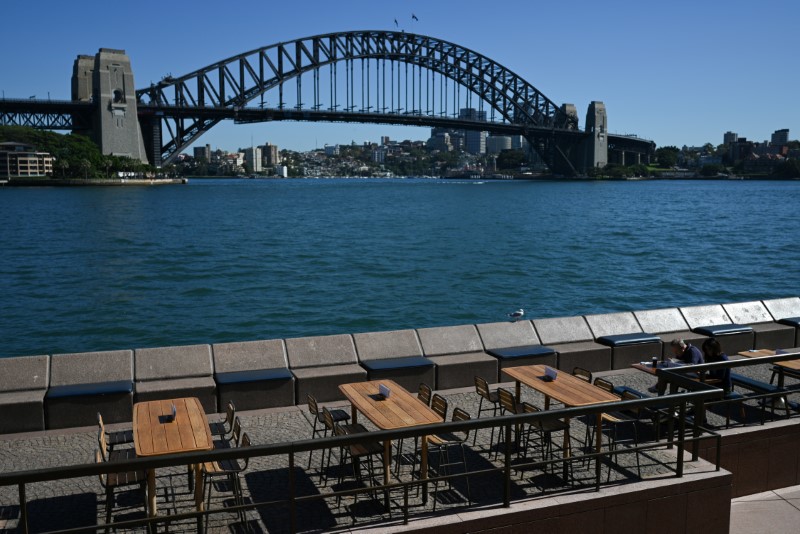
column 712, row 352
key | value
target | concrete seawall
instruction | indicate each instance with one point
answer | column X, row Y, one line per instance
column 67, row 390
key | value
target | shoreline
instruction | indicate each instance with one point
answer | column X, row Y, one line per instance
column 80, row 182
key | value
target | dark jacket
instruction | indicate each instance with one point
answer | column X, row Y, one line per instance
column 691, row 355
column 723, row 375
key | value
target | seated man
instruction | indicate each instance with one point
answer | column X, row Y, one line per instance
column 687, row 353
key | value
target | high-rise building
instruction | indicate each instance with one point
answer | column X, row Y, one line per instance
column 270, row 155
column 729, row 138
column 252, row 157
column 203, row 152
column 474, row 140
column 780, row 137
column 497, row 143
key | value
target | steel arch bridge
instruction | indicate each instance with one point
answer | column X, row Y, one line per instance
column 360, row 76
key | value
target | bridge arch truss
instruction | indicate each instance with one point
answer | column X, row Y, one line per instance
column 396, row 75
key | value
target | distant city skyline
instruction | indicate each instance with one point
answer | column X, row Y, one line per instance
column 679, row 74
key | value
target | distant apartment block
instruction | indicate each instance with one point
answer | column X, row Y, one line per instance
column 270, row 155
column 780, row 137
column 730, row 138
column 253, row 159
column 21, row 160
column 203, row 152
column 331, row 150
column 497, row 143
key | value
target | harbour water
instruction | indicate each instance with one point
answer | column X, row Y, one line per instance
column 85, row 269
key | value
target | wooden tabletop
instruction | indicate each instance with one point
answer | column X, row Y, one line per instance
column 153, row 436
column 402, row 409
column 566, row 389
column 647, row 367
column 789, row 364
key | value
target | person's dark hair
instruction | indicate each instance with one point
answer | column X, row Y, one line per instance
column 712, row 349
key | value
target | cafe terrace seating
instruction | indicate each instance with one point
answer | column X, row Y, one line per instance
column 515, row 344
column 395, row 355
column 629, row 344
column 23, row 383
column 668, row 324
column 768, row 334
column 83, row 384
column 172, row 372
column 712, row 321
column 458, row 354
column 787, row 312
column 253, row 374
column 572, row 339
column 320, row 364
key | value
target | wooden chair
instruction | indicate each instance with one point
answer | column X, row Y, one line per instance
column 582, row 373
column 114, row 438
column 225, row 427
column 491, row 397
column 113, row 481
column 313, row 408
column 357, row 452
column 424, row 393
column 230, row 469
column 439, row 448
column 543, row 430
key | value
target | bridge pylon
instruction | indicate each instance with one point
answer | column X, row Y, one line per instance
column 106, row 80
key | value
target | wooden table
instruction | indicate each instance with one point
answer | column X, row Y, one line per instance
column 401, row 410
column 567, row 389
column 791, row 365
column 153, row 436
column 648, row 368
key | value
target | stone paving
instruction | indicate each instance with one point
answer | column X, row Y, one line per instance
column 81, row 502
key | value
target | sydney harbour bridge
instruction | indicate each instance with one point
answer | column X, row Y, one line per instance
column 384, row 77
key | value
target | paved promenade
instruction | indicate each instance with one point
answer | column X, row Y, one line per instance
column 81, row 502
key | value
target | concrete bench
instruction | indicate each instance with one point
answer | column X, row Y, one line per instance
column 253, row 374
column 458, row 354
column 173, row 372
column 712, row 321
column 572, row 339
column 786, row 311
column 86, row 383
column 395, row 355
column 321, row 364
column 23, row 382
column 767, row 333
column 621, row 332
column 515, row 344
column 668, row 324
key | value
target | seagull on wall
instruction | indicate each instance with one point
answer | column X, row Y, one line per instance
column 516, row 315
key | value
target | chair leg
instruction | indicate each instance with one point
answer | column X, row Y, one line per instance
column 109, row 504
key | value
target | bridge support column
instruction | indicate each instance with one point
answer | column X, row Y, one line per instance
column 596, row 147
column 115, row 127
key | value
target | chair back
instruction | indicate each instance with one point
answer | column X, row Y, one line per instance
column 627, row 395
column 604, row 384
column 313, row 408
column 439, row 406
column 582, row 373
column 102, row 443
column 245, row 443
column 424, row 393
column 230, row 414
column 99, row 458
column 236, row 431
column 507, row 400
column 461, row 415
column 482, row 388
column 329, row 422
column 527, row 407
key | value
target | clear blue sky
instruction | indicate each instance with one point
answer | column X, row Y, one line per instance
column 679, row 72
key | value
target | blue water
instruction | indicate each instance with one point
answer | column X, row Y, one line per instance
column 214, row 261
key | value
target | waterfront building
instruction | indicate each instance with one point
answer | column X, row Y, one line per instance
column 270, row 154
column 203, row 152
column 331, row 150
column 282, row 171
column 19, row 159
column 253, row 159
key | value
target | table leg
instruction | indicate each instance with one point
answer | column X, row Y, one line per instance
column 198, row 486
column 387, row 467
column 567, row 445
column 518, row 391
column 423, row 468
column 780, row 376
column 353, row 414
column 151, row 493
column 547, row 402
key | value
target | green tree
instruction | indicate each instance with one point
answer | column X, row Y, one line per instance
column 712, row 169
column 788, row 169
column 510, row 159
column 667, row 156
